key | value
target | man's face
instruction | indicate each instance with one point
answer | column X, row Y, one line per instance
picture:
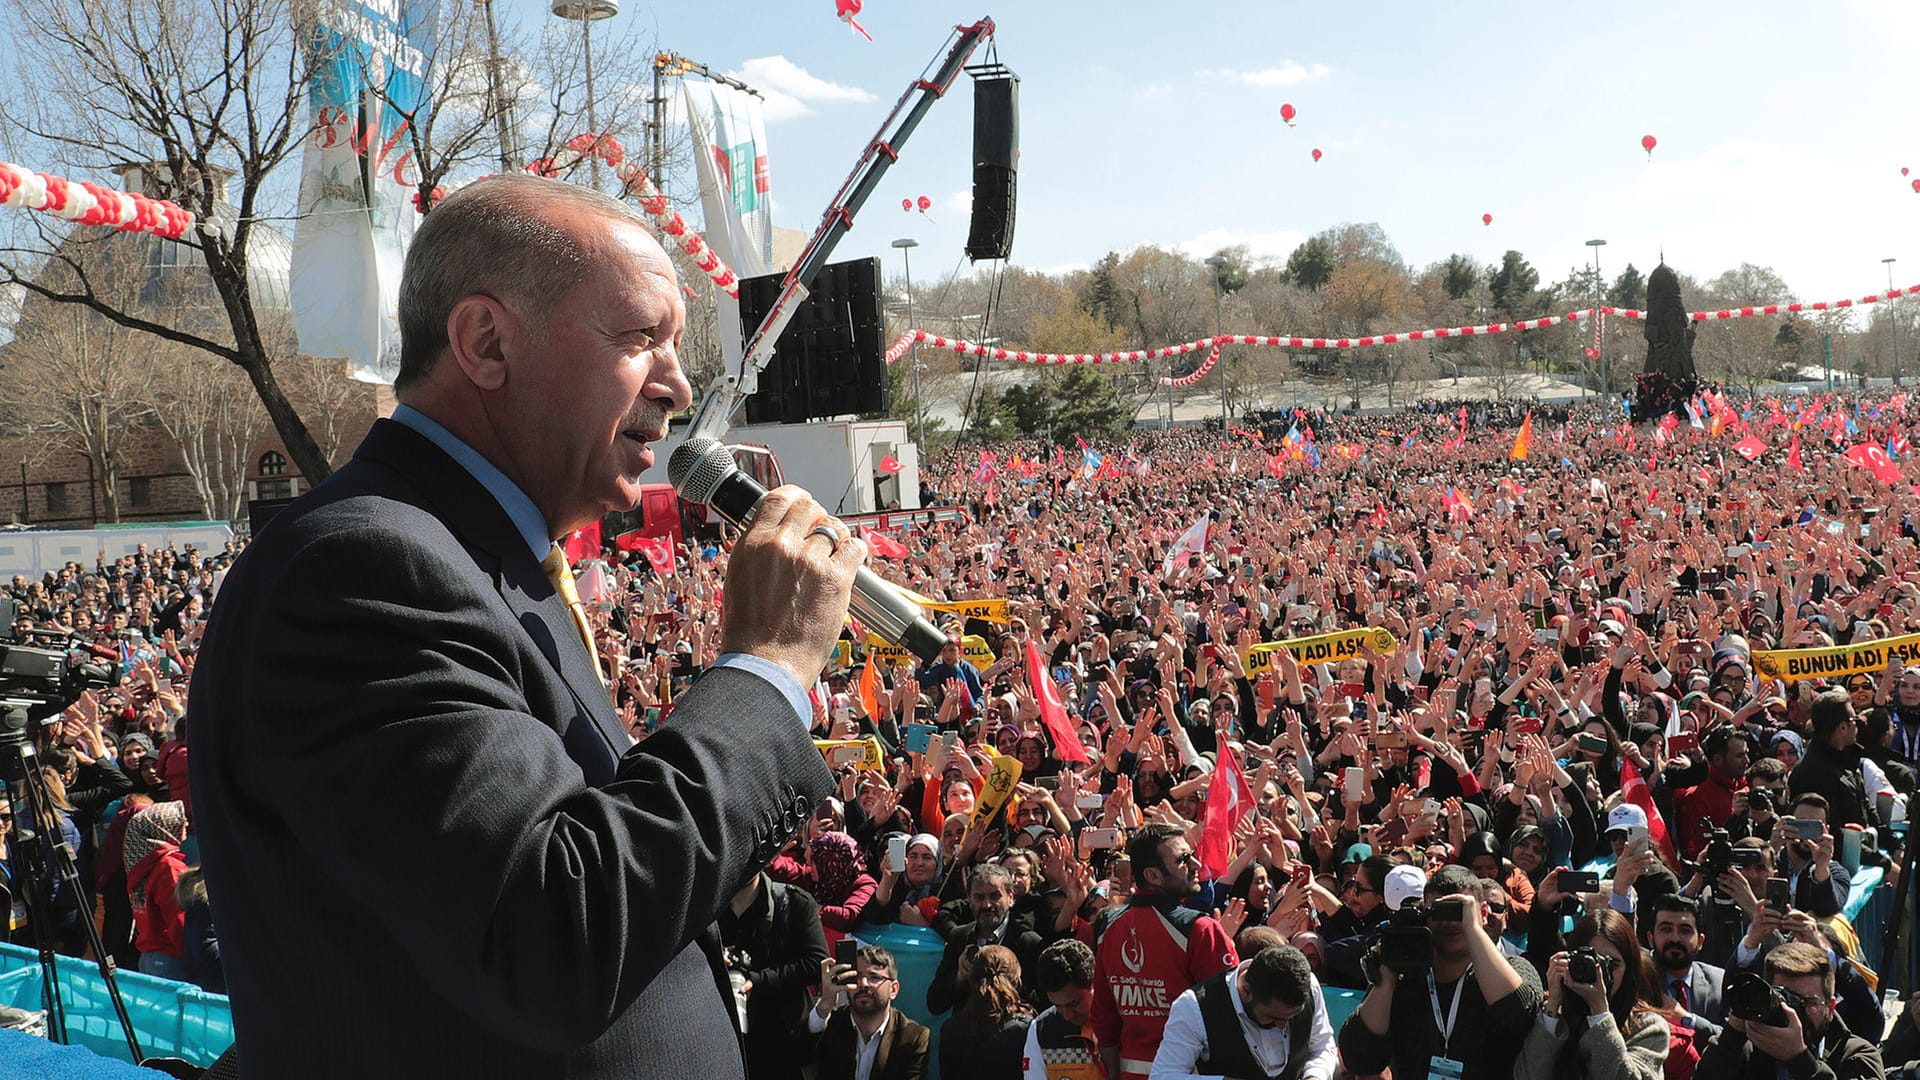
column 1815, row 1007
column 1075, row 1004
column 872, row 991
column 579, row 398
column 1676, row 940
column 1449, row 937
column 1734, row 761
column 1267, row 1014
column 991, row 900
column 1178, row 867
column 1493, row 912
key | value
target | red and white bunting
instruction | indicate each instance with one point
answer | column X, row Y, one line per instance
column 1134, row 356
column 1196, row 375
column 608, row 149
column 90, row 204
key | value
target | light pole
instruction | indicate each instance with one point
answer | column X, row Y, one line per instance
column 906, row 244
column 1599, row 344
column 586, row 13
column 1214, row 263
column 1893, row 311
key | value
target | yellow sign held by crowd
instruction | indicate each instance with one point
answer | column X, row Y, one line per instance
column 973, row 647
column 1319, row 649
column 1836, row 661
column 989, row 609
column 863, row 754
column 999, row 787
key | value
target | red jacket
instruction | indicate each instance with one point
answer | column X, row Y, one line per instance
column 1147, row 956
column 161, row 925
column 171, row 764
column 1711, row 799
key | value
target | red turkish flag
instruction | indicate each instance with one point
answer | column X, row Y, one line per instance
column 657, row 549
column 1053, row 712
column 582, row 544
column 1869, row 456
column 883, row 545
column 1750, row 448
column 890, row 465
column 1633, row 787
column 1793, row 455
column 1229, row 798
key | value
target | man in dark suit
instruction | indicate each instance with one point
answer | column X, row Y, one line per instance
column 868, row 1039
column 432, row 848
column 1675, row 941
column 990, row 894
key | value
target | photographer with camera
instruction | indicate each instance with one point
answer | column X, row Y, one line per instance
column 1457, row 1008
column 1600, row 1020
column 1785, row 1025
column 1804, row 852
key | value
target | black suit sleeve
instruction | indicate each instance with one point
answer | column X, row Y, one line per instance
column 397, row 745
column 941, row 992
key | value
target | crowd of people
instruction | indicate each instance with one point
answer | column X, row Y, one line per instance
column 1554, row 813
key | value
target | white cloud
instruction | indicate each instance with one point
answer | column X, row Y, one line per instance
column 1290, row 73
column 1262, row 246
column 791, row 91
column 958, row 202
column 1154, row 91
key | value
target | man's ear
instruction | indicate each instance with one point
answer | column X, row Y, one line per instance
column 475, row 339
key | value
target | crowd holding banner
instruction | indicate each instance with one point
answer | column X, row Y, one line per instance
column 1225, row 708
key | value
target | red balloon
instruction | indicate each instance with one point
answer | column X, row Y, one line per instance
column 906, row 204
column 1316, row 153
column 844, row 8
column 1647, row 143
column 1903, row 170
column 925, row 204
column 1486, row 219
column 1916, row 185
column 1287, row 113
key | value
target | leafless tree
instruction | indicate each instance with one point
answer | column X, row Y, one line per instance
column 212, row 417
column 211, row 90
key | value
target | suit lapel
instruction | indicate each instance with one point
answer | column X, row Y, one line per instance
column 593, row 736
column 886, row 1044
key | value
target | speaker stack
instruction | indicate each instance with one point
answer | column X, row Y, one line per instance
column 830, row 360
column 996, row 157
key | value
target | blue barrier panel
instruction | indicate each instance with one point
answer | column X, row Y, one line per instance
column 1340, row 1004
column 916, row 952
column 170, row 1019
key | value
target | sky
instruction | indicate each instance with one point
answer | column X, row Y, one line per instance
column 1781, row 128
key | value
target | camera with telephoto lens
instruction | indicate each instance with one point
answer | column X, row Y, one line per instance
column 1718, row 855
column 44, row 671
column 1585, row 964
column 1755, row 1000
column 1406, row 945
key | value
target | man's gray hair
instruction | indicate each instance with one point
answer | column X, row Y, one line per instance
column 492, row 236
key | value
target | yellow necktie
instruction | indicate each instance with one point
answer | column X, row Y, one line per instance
column 558, row 572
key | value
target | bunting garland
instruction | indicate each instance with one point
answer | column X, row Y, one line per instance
column 90, row 204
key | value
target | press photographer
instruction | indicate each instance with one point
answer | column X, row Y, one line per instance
column 1462, row 1014
column 1785, row 1025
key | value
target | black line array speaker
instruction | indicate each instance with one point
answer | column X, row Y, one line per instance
column 830, row 359
column 996, row 157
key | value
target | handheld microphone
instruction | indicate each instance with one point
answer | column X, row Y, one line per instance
column 703, row 471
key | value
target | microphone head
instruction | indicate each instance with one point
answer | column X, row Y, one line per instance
column 698, row 467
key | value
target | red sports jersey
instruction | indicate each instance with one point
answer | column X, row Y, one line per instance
column 1147, row 956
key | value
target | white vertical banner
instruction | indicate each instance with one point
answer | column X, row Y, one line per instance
column 357, row 180
column 730, row 158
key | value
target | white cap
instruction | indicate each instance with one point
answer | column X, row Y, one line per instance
column 1626, row 816
column 1404, row 883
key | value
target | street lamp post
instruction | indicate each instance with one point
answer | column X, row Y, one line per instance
column 1214, row 263
column 1599, row 344
column 1893, row 321
column 586, row 13
column 906, row 244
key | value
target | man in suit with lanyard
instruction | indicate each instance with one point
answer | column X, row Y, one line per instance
column 433, row 849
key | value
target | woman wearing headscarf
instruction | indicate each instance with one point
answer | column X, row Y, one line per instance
column 840, row 883
column 154, row 864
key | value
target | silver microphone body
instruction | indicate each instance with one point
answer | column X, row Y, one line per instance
column 703, row 471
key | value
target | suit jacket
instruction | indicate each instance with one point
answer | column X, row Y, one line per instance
column 1705, row 984
column 1025, row 943
column 429, row 845
column 902, row 1055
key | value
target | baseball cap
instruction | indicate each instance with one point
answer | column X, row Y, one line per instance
column 1625, row 816
column 1404, row 883
column 1357, row 853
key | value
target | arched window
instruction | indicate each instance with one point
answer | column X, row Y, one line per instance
column 274, row 482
